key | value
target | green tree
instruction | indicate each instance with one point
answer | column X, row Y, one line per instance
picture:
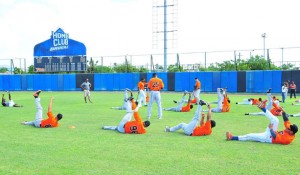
column 103, row 69
column 3, row 70
column 91, row 65
column 18, row 70
column 122, row 68
column 31, row 69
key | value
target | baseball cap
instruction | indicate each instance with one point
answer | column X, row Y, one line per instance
column 294, row 128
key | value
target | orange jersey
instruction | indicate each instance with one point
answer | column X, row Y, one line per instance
column 203, row 130
column 282, row 137
column 155, row 84
column 276, row 111
column 141, row 85
column 255, row 101
column 194, row 100
column 49, row 122
column 136, row 126
column 186, row 108
column 226, row 105
column 197, row 85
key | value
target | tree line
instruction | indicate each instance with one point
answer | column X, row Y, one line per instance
column 253, row 63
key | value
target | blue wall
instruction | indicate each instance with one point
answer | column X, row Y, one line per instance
column 256, row 81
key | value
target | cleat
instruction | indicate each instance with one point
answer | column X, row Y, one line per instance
column 269, row 90
column 246, row 113
column 167, row 129
column 293, row 104
column 159, row 118
column 37, row 93
column 236, row 103
column 201, row 102
column 174, row 101
column 291, row 115
column 262, row 104
column 228, row 136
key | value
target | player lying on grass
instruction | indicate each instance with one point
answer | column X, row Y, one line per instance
column 9, row 103
column 136, row 126
column 191, row 129
column 249, row 101
column 223, row 101
column 180, row 107
column 271, row 135
column 123, row 107
column 39, row 122
column 296, row 103
column 272, row 101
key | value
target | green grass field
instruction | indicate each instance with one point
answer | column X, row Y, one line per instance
column 87, row 149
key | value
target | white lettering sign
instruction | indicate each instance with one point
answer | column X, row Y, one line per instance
column 60, row 41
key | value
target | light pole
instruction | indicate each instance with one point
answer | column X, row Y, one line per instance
column 264, row 38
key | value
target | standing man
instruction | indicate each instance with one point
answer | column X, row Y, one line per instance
column 155, row 85
column 284, row 91
column 293, row 88
column 191, row 129
column 86, row 88
column 39, row 122
column 196, row 92
column 142, row 94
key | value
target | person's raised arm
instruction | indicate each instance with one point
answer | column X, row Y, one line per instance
column 50, row 104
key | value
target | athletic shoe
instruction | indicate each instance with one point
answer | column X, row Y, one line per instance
column 262, row 104
column 246, row 113
column 291, row 115
column 228, row 136
column 236, row 103
column 37, row 93
column 167, row 129
column 174, row 101
column 293, row 104
column 201, row 102
column 269, row 90
column 159, row 118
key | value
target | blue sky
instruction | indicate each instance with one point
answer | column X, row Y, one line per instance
column 116, row 27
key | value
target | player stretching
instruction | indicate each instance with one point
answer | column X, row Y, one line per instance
column 271, row 135
column 39, row 122
column 197, row 89
column 9, row 103
column 136, row 126
column 250, row 101
column 191, row 129
column 123, row 107
column 142, row 94
column 223, row 101
column 180, row 107
column 155, row 85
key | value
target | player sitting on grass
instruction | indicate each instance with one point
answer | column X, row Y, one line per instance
column 9, row 103
column 39, row 122
column 223, row 101
column 180, row 107
column 191, row 129
column 136, row 126
column 271, row 135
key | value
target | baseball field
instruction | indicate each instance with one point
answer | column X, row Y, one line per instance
column 80, row 146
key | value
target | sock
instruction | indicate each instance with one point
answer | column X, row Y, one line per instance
column 264, row 110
